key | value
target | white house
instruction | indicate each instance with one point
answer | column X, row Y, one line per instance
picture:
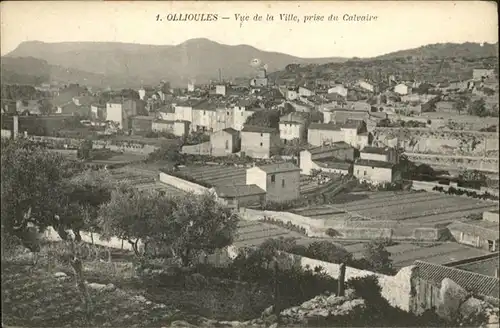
column 220, row 90
column 120, row 111
column 402, row 89
column 292, row 126
column 280, row 181
column 376, row 172
column 305, row 92
column 365, row 85
column 338, row 89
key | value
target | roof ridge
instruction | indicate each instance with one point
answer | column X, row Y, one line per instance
column 457, row 270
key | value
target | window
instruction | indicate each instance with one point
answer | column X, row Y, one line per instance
column 283, row 183
column 227, row 144
column 241, row 113
column 273, row 178
column 227, row 113
column 364, row 173
column 491, row 245
column 357, row 172
column 261, row 144
column 261, row 135
column 204, row 112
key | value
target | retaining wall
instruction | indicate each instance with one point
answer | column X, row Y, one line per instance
column 182, row 184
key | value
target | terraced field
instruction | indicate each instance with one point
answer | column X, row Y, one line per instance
column 405, row 254
column 144, row 180
column 411, row 207
column 253, row 233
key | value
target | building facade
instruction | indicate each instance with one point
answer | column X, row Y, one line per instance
column 259, row 142
column 225, row 142
column 281, row 181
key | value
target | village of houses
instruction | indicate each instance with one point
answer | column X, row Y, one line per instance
column 445, row 235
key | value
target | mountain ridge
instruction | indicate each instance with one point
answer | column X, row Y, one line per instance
column 199, row 59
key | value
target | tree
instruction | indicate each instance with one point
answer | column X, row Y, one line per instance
column 85, row 150
column 167, row 152
column 84, row 194
column 32, row 181
column 267, row 118
column 134, row 215
column 45, row 106
column 329, row 252
column 187, row 225
column 478, row 108
column 201, row 224
column 377, row 256
column 460, row 104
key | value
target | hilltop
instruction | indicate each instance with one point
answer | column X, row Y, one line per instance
column 429, row 63
column 447, row 50
column 197, row 59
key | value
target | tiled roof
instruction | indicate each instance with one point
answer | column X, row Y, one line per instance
column 258, row 129
column 231, row 131
column 238, row 191
column 380, row 164
column 352, row 124
column 293, row 117
column 148, row 118
column 279, row 167
column 486, row 267
column 470, row 281
column 375, row 150
column 167, row 109
column 333, row 146
column 483, row 229
column 324, row 126
column 333, row 164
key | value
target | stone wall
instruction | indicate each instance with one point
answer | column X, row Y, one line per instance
column 489, row 164
column 199, row 149
column 182, row 184
column 395, row 289
column 439, row 141
column 114, row 145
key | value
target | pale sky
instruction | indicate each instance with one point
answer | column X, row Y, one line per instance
column 399, row 25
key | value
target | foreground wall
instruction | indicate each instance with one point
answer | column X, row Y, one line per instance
column 182, row 184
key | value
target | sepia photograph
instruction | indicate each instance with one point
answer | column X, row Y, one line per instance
column 249, row 164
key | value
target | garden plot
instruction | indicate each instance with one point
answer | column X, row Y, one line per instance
column 254, row 233
column 420, row 206
column 162, row 187
column 438, row 254
column 216, row 175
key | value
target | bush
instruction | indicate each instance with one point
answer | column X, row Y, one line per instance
column 289, row 225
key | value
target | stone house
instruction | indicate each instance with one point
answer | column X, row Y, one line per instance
column 376, row 172
column 142, row 124
column 177, row 128
column 225, row 142
column 402, row 89
column 280, row 181
column 259, row 142
column 120, row 112
column 305, row 92
column 339, row 89
column 381, row 154
column 426, row 283
column 237, row 196
column 166, row 113
column 476, row 233
column 292, row 126
column 334, row 158
column 98, row 111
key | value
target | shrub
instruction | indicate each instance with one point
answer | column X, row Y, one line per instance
column 289, row 225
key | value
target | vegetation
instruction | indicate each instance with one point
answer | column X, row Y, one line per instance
column 265, row 118
column 289, row 225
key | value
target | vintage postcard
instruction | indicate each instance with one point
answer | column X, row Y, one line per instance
column 250, row 164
